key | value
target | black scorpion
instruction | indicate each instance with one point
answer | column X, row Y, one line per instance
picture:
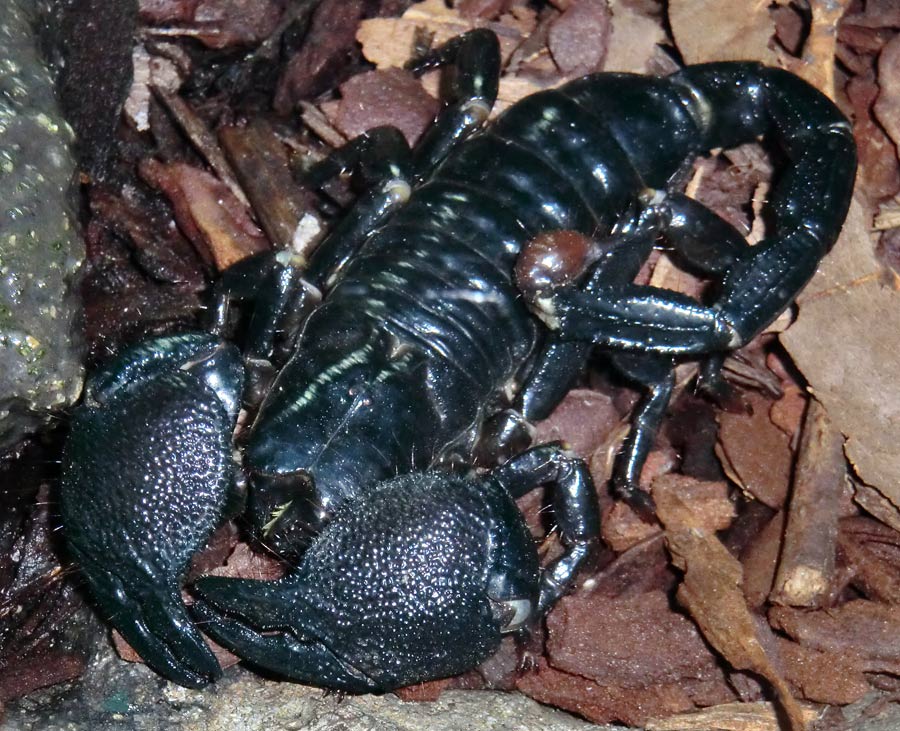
column 406, row 565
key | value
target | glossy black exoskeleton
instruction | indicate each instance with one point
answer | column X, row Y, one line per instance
column 405, row 569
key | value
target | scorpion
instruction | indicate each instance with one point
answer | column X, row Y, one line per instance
column 448, row 323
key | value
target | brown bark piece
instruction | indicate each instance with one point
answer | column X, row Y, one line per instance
column 261, row 164
column 756, row 452
column 329, row 45
column 482, row 8
column 712, row 593
column 629, row 642
column 390, row 97
column 641, row 569
column 585, row 417
column 608, row 703
column 708, row 502
column 217, row 23
column 206, row 212
column 872, row 553
column 887, row 105
column 621, row 528
column 579, row 37
column 787, row 413
column 760, row 561
column 202, row 139
column 40, row 671
column 864, row 628
column 878, row 174
column 877, row 505
column 810, row 540
column 822, row 677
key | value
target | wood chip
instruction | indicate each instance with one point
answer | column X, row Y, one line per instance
column 808, row 552
column 755, row 453
column 712, row 592
column 261, row 164
column 730, row 717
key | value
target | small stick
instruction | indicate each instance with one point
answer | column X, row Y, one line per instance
column 807, row 561
column 261, row 165
column 202, row 138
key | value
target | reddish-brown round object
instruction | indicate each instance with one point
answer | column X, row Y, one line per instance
column 552, row 260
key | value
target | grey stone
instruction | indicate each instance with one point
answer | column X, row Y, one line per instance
column 118, row 696
column 40, row 251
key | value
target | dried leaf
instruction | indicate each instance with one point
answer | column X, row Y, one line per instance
column 712, row 592
column 391, row 42
column 845, row 341
column 392, row 96
column 887, row 105
column 634, row 39
column 578, row 38
column 722, row 30
column 755, row 452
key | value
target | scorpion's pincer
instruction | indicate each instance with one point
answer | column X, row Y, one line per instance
column 147, row 477
column 411, row 581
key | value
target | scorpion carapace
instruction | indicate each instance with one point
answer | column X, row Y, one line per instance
column 407, row 566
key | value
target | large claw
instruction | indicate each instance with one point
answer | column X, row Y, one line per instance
column 147, row 475
column 394, row 591
column 154, row 621
column 307, row 661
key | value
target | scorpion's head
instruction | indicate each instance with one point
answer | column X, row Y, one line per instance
column 414, row 580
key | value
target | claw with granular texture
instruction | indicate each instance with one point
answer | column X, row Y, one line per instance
column 147, row 477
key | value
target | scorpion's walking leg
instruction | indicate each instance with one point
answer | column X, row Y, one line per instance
column 475, row 57
column 657, row 375
column 383, row 158
column 575, row 509
column 689, row 228
column 614, row 259
column 284, row 286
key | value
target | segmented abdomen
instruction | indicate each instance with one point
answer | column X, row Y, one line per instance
column 439, row 272
column 436, row 279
